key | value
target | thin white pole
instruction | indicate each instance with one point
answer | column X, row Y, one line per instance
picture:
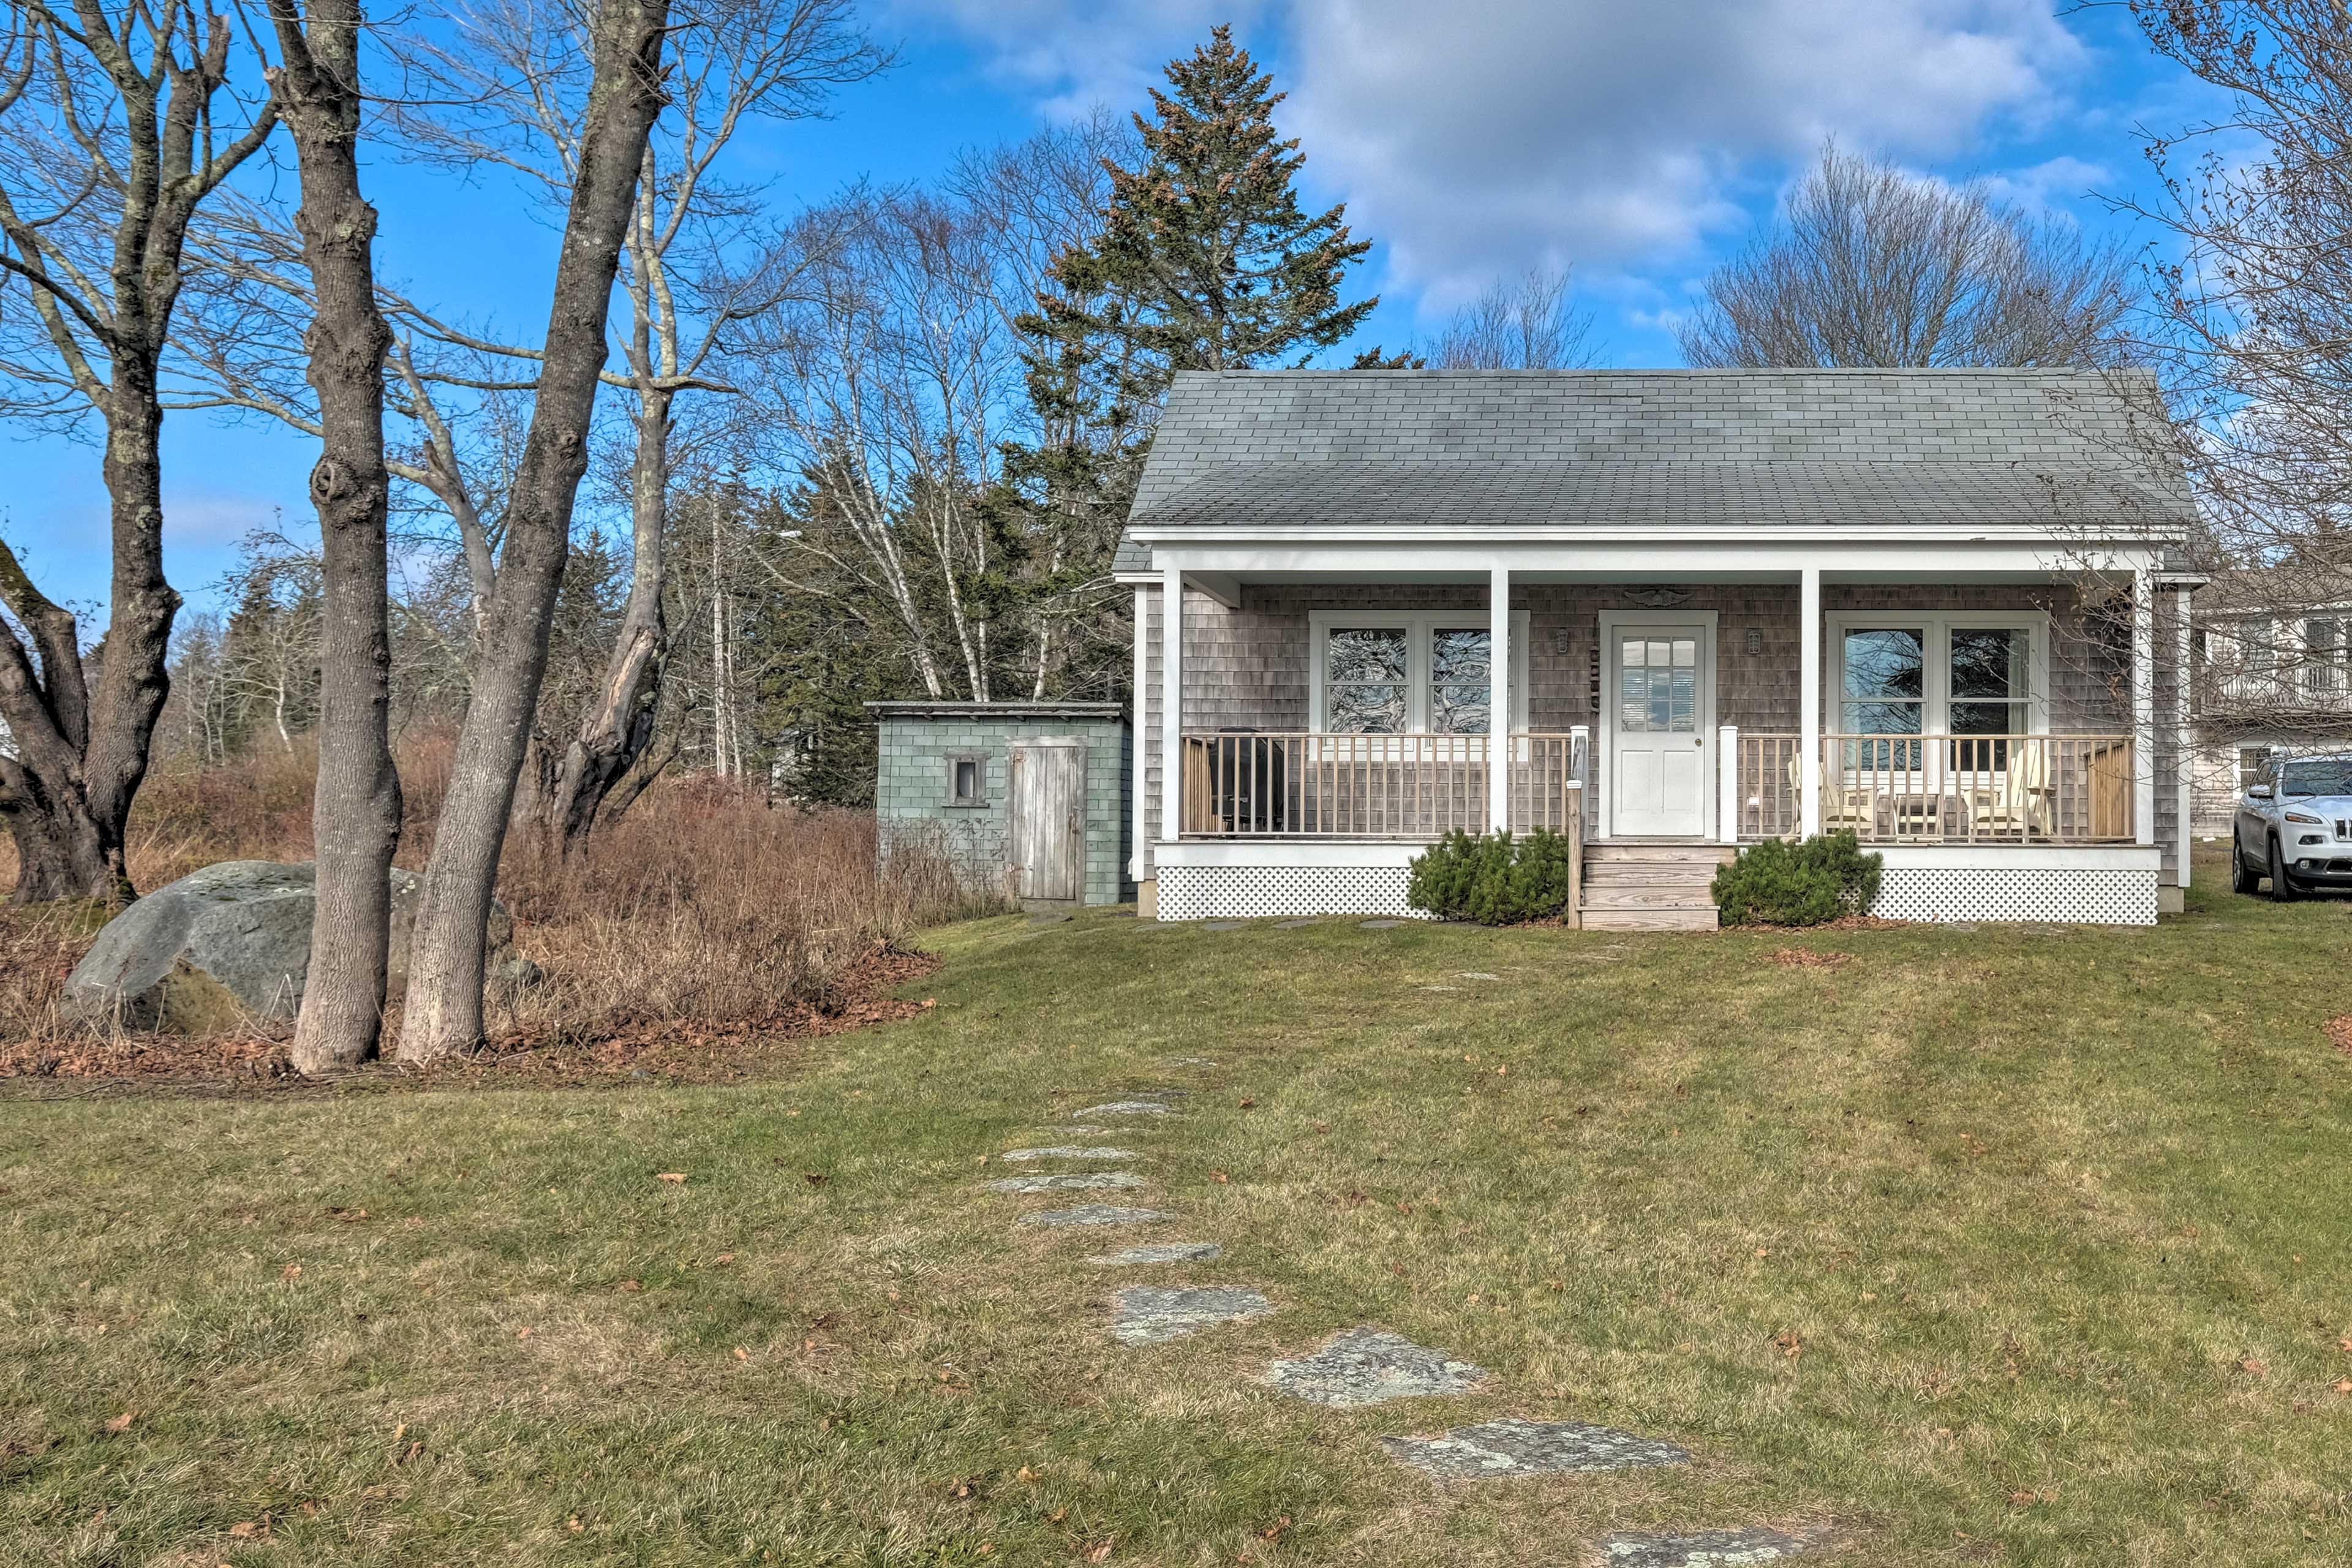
column 1727, row 793
column 1809, row 701
column 2144, row 705
column 1499, row 706
column 1172, row 704
column 1140, row 829
column 2182, row 740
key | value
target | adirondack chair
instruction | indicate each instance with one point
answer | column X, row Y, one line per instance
column 2020, row 803
column 1840, row 807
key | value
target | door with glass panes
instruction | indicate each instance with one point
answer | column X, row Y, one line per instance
column 1660, row 686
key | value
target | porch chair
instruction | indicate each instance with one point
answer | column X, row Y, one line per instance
column 1840, row 807
column 2019, row 804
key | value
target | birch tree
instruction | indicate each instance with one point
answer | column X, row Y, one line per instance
column 117, row 124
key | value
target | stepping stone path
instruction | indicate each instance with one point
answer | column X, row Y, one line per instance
column 1189, row 1061
column 1370, row 1366
column 1071, row 1152
column 1476, row 975
column 1510, row 1446
column 1166, row 1252
column 1074, row 1129
column 1701, row 1549
column 1154, row 1314
column 1066, row 1183
column 1365, row 1366
column 1095, row 1214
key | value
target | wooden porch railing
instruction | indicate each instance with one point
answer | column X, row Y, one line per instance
column 1947, row 788
column 1316, row 784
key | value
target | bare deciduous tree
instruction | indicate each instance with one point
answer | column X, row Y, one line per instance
column 445, row 999
column 1869, row 266
column 355, row 811
column 115, row 124
column 2252, row 327
column 1522, row 323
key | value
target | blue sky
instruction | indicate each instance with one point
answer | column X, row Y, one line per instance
column 1638, row 144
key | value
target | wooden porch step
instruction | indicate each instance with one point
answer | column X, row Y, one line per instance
column 1645, row 873
column 1675, row 918
column 1649, row 897
column 1619, row 850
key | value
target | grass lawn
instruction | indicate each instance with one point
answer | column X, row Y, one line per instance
column 2008, row 1246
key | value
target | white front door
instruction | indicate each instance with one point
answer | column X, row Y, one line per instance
column 1661, row 682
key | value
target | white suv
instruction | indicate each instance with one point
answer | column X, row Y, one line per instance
column 2297, row 830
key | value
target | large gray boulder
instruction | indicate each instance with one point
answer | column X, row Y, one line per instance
column 232, row 941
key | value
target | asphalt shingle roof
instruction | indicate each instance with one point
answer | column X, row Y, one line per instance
column 1877, row 449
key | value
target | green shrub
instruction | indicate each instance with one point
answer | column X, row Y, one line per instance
column 1776, row 883
column 1493, row 878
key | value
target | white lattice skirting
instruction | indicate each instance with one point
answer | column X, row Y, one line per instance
column 1323, row 882
column 2091, row 895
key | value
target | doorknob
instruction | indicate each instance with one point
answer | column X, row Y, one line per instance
column 1699, row 740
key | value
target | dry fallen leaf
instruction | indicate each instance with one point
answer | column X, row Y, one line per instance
column 1790, row 1345
column 815, row 1178
column 119, row 1422
column 522, row 1333
column 247, row 1530
column 632, row 1285
column 1221, row 1177
column 1025, row 1474
column 742, row 1354
column 1247, row 1101
column 293, row 1271
column 726, row 1257
column 670, row 1176
column 2254, row 1366
column 2020, row 1498
column 2344, row 1385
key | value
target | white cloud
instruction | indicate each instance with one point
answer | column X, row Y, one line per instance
column 1614, row 135
column 1481, row 138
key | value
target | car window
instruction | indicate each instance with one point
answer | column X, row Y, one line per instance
column 2328, row 775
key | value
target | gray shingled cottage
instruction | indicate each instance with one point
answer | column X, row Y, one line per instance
column 1677, row 610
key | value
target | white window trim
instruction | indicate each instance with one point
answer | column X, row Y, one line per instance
column 1936, row 626
column 1418, row 627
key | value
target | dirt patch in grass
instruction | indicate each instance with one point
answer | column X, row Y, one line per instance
column 673, row 1051
column 1807, row 958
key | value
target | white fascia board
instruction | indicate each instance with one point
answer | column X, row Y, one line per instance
column 1287, row 852
column 1649, row 561
column 2019, row 857
column 1477, row 534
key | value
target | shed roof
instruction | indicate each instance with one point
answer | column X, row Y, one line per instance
column 1872, row 449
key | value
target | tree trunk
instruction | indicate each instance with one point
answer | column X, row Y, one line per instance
column 616, row 730
column 355, row 815
column 446, row 953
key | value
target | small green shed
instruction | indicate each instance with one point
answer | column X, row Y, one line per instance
column 1034, row 795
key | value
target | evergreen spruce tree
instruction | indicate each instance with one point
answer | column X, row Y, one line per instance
column 1205, row 261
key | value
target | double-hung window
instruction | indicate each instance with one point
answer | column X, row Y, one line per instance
column 1976, row 676
column 1410, row 672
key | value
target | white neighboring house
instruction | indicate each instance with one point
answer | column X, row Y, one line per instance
column 2265, row 684
column 1677, row 610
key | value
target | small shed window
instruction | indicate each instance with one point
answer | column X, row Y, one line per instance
column 967, row 780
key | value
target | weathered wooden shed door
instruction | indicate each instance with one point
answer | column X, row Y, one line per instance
column 1049, row 821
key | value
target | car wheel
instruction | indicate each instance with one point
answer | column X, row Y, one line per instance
column 2282, row 888
column 2244, row 878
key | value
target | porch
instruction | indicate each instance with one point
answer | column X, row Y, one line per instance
column 1999, row 755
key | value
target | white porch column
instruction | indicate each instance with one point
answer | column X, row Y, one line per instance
column 1726, row 784
column 1809, row 701
column 2144, row 706
column 1499, row 701
column 1172, row 704
column 2182, row 740
column 1140, row 829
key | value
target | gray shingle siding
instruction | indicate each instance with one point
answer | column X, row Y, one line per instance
column 912, row 787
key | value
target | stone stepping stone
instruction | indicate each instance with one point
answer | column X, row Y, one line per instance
column 1154, row 1314
column 1094, row 1214
column 1379, row 925
column 1511, row 1446
column 1071, row 1152
column 1091, row 1179
column 1475, row 974
column 1189, row 1061
column 1127, row 1107
column 1166, row 1252
column 1223, row 925
column 1700, row 1549
column 1369, row 1366
column 1074, row 1130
